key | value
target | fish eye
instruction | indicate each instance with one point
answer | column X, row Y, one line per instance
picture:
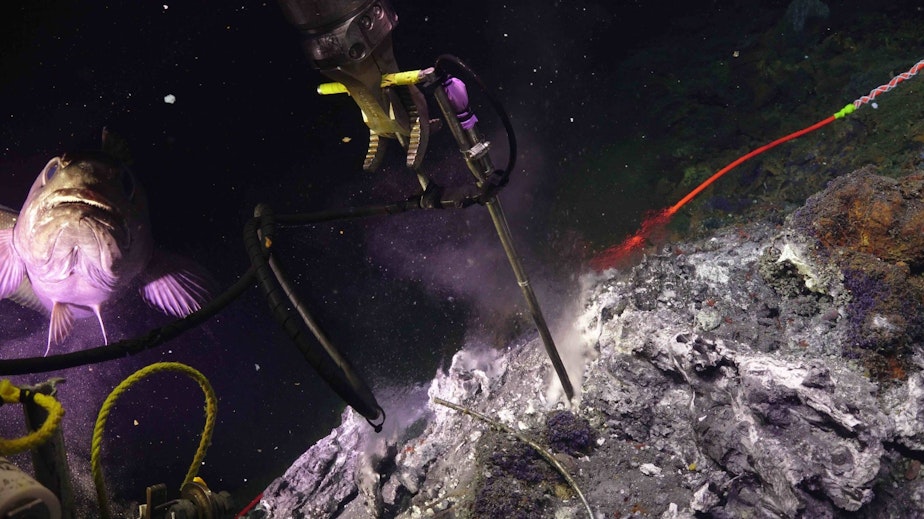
column 50, row 169
column 128, row 182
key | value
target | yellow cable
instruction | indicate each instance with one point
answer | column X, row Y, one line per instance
column 211, row 407
column 11, row 395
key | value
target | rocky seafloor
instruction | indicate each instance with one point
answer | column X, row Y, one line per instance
column 770, row 370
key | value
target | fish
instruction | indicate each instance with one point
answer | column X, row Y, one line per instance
column 82, row 241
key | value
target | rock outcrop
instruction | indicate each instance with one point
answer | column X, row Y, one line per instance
column 762, row 372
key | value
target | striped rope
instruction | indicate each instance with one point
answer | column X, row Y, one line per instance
column 890, row 85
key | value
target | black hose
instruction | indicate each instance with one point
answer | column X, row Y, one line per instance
column 330, row 365
column 128, row 347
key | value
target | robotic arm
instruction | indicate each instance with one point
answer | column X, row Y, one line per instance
column 350, row 42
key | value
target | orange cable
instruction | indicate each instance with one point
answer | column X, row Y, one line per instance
column 676, row 207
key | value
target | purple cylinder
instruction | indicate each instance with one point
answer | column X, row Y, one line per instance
column 458, row 99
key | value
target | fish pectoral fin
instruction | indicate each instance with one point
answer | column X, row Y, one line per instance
column 176, row 285
column 12, row 269
column 62, row 320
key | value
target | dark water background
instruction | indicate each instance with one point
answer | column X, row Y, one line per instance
column 619, row 107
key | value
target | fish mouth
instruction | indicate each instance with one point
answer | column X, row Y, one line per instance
column 83, row 201
column 92, row 209
column 79, row 197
